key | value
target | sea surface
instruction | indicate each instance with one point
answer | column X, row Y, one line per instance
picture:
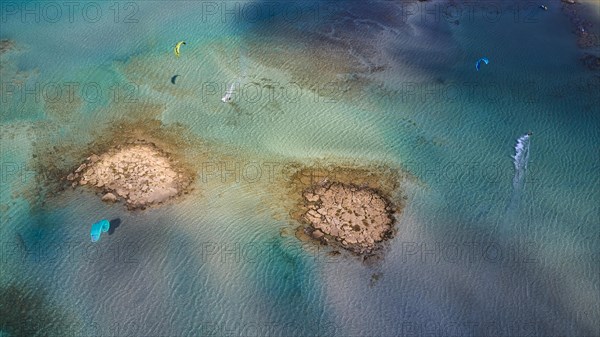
column 500, row 235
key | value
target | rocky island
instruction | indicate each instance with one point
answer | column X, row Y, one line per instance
column 140, row 173
column 356, row 217
column 347, row 208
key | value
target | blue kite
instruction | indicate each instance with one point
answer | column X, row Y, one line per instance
column 478, row 63
column 98, row 228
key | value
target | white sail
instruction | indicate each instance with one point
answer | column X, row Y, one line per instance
column 228, row 95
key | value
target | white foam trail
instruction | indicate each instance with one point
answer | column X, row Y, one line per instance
column 228, row 97
column 243, row 61
column 521, row 158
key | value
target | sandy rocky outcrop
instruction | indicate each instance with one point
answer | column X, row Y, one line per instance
column 357, row 218
column 141, row 174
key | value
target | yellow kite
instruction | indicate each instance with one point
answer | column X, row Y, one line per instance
column 177, row 46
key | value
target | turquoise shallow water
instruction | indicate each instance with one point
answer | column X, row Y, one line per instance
column 474, row 255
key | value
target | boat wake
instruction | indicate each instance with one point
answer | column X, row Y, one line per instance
column 243, row 61
column 228, row 97
column 520, row 160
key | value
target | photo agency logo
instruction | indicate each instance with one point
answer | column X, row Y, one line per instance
column 414, row 322
column 234, row 328
column 293, row 12
column 473, row 92
column 467, row 174
column 456, row 12
column 239, row 253
column 69, row 12
column 468, row 252
column 265, row 11
column 55, row 251
column 473, row 328
column 241, row 171
column 19, row 94
column 268, row 91
column 244, row 328
column 11, row 171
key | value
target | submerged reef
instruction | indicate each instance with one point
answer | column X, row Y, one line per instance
column 27, row 311
column 591, row 61
column 6, row 45
column 587, row 36
column 141, row 162
column 351, row 49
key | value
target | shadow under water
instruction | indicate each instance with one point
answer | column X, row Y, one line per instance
column 114, row 223
column 27, row 312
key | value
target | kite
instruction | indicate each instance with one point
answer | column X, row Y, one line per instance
column 98, row 228
column 478, row 63
column 177, row 46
